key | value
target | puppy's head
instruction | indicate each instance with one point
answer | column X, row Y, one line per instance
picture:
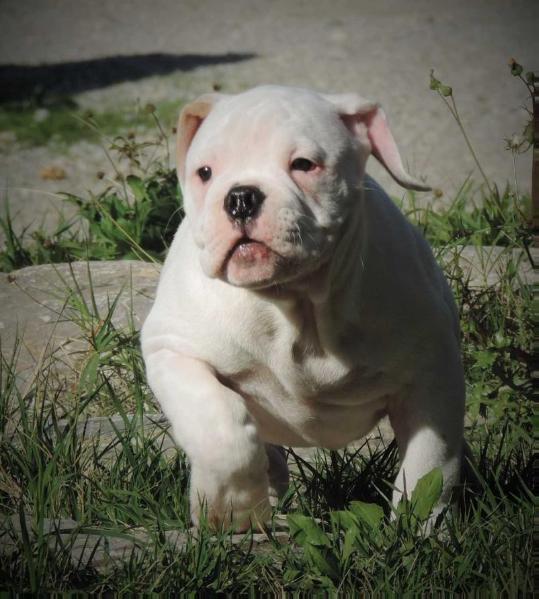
column 269, row 176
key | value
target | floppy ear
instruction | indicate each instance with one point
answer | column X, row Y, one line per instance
column 190, row 119
column 368, row 123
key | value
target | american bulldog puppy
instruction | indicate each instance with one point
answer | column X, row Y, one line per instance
column 297, row 306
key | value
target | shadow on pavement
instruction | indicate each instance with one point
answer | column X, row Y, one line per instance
column 23, row 82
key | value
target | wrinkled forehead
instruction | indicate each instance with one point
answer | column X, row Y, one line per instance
column 274, row 119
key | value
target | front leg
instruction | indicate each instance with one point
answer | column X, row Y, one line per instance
column 210, row 422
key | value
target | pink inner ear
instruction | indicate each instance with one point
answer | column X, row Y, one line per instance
column 382, row 142
column 385, row 149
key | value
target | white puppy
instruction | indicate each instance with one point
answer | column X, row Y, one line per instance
column 297, row 306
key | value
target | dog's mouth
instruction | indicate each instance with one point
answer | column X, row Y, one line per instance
column 255, row 264
column 250, row 263
column 246, row 252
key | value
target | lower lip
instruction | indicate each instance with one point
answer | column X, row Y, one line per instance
column 250, row 252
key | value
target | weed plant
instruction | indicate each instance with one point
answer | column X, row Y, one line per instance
column 135, row 217
column 130, row 485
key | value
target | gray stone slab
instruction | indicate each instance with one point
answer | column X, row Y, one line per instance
column 483, row 266
column 107, row 426
column 103, row 550
column 106, row 431
column 39, row 314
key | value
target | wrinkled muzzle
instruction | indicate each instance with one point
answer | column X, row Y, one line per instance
column 258, row 233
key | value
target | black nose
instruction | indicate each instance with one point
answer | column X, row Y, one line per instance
column 243, row 202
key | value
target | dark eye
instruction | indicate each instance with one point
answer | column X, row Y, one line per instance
column 302, row 164
column 204, row 172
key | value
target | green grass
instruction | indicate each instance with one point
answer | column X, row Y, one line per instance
column 64, row 123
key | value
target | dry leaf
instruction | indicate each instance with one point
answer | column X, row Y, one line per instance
column 53, row 173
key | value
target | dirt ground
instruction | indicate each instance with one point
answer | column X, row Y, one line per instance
column 108, row 54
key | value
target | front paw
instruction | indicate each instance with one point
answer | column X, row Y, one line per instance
column 234, row 500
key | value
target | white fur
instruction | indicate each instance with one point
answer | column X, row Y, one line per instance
column 354, row 320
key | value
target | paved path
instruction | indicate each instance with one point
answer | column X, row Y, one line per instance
column 382, row 49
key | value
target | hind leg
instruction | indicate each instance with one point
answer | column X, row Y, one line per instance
column 428, row 428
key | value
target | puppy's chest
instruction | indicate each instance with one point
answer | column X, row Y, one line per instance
column 296, row 363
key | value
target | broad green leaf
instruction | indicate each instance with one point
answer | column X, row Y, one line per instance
column 350, row 542
column 343, row 519
column 323, row 560
column 370, row 513
column 305, row 530
column 427, row 492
